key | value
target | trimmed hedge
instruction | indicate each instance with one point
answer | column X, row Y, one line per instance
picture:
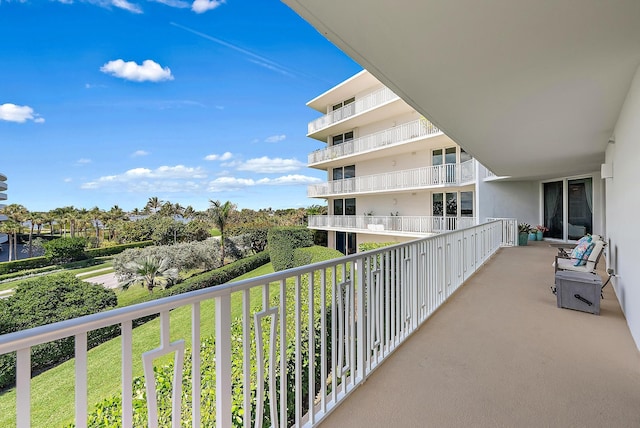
column 366, row 246
column 24, row 264
column 282, row 243
column 47, row 300
column 41, row 262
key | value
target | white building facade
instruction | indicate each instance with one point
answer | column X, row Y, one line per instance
column 392, row 176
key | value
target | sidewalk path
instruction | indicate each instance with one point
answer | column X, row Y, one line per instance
column 107, row 280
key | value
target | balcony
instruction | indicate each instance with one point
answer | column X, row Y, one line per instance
column 501, row 354
column 417, row 226
column 399, row 181
column 401, row 134
column 498, row 354
column 362, row 104
column 352, row 312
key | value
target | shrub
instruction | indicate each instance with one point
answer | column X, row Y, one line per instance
column 18, row 265
column 190, row 255
column 46, row 300
column 282, row 243
column 64, row 250
column 115, row 249
column 367, row 246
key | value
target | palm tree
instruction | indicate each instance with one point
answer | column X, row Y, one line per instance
column 220, row 213
column 154, row 204
column 18, row 214
column 189, row 213
column 96, row 215
column 150, row 272
column 11, row 228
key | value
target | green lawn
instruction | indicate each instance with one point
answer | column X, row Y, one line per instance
column 52, row 392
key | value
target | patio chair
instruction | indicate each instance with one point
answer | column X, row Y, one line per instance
column 570, row 261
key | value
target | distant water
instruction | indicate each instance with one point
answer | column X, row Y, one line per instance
column 4, row 254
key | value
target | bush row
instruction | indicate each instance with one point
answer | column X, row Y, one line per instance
column 40, row 262
column 46, row 300
column 282, row 243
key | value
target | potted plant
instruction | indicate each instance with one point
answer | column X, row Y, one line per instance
column 540, row 230
column 523, row 233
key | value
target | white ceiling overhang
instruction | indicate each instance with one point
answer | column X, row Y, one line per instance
column 533, row 89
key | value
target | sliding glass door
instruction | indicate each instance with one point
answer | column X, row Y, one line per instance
column 568, row 208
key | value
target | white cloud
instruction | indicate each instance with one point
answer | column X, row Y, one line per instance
column 68, row 180
column 83, row 161
column 275, row 138
column 215, row 157
column 138, row 178
column 269, row 165
column 20, row 114
column 139, row 153
column 201, row 6
column 174, row 3
column 148, row 71
column 227, row 184
column 124, row 4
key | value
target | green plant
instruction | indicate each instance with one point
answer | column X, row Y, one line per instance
column 150, row 272
column 524, row 228
column 64, row 250
column 282, row 243
column 46, row 300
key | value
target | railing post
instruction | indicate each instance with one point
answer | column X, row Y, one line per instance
column 360, row 320
column 223, row 361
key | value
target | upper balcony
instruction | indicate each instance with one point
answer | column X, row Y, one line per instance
column 416, row 226
column 459, row 174
column 351, row 115
column 399, row 135
column 3, row 186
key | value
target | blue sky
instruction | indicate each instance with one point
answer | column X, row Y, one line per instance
column 106, row 102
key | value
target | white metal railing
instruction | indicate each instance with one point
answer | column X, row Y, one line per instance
column 452, row 174
column 509, row 230
column 397, row 224
column 364, row 103
column 332, row 322
column 389, row 137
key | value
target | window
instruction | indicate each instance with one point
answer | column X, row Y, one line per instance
column 343, row 103
column 341, row 138
column 466, row 204
column 350, row 206
column 338, row 207
column 344, row 172
column 344, row 206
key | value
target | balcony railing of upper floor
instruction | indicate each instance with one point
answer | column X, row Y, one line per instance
column 332, row 322
column 409, row 225
column 362, row 104
column 419, row 178
column 3, row 186
column 389, row 137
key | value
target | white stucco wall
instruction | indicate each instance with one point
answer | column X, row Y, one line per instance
column 623, row 206
column 511, row 199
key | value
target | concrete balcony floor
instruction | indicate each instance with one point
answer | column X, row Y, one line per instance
column 501, row 354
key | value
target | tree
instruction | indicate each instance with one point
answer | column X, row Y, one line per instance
column 153, row 204
column 64, row 250
column 220, row 213
column 151, row 272
column 11, row 228
column 18, row 214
